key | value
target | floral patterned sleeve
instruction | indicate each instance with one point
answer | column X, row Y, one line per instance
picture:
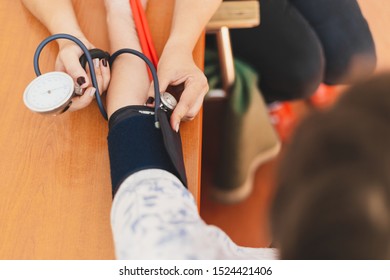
column 155, row 217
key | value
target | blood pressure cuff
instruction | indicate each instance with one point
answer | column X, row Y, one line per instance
column 135, row 144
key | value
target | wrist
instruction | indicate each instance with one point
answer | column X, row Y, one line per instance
column 117, row 9
column 61, row 24
column 62, row 43
column 178, row 45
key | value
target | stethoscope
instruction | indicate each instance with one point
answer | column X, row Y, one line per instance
column 51, row 93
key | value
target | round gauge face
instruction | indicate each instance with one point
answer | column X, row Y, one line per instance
column 168, row 100
column 49, row 92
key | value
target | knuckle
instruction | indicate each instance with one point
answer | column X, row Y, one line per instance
column 205, row 88
column 184, row 108
column 190, row 115
column 185, row 112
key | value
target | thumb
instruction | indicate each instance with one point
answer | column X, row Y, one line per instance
column 163, row 83
column 176, row 117
column 75, row 70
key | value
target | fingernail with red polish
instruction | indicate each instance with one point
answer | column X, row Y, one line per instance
column 104, row 61
column 150, row 100
column 80, row 81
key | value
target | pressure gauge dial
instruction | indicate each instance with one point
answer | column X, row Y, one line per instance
column 50, row 93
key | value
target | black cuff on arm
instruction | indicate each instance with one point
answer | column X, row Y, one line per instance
column 135, row 144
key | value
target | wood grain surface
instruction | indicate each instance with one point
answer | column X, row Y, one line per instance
column 55, row 192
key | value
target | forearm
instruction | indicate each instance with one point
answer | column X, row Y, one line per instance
column 58, row 16
column 189, row 20
column 129, row 77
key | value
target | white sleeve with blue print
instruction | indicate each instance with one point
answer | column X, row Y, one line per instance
column 154, row 217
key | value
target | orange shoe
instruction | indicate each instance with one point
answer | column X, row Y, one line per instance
column 324, row 97
column 282, row 118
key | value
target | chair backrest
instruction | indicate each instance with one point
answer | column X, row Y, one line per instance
column 236, row 14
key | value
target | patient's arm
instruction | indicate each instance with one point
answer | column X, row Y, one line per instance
column 58, row 16
column 130, row 81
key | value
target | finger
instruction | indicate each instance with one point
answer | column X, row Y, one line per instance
column 163, row 83
column 73, row 67
column 186, row 110
column 106, row 75
column 182, row 108
column 83, row 101
column 59, row 66
column 190, row 102
column 150, row 102
column 179, row 113
column 98, row 74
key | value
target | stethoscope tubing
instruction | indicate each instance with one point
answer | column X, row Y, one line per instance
column 154, row 76
column 89, row 61
column 92, row 69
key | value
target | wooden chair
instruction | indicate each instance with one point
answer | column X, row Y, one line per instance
column 55, row 195
column 252, row 139
column 231, row 14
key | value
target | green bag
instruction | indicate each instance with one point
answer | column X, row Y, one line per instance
column 249, row 138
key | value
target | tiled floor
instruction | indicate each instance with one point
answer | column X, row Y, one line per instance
column 246, row 222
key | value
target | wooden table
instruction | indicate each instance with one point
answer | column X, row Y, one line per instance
column 55, row 193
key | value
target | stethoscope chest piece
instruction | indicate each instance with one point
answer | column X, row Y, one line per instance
column 168, row 102
column 50, row 93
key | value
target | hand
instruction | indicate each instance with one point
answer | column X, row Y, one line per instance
column 178, row 67
column 68, row 61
